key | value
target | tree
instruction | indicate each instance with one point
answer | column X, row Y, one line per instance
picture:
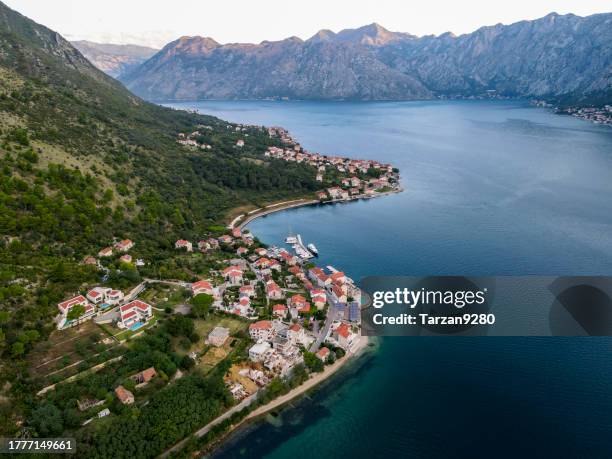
column 17, row 349
column 75, row 312
column 200, row 305
column 313, row 362
column 47, row 419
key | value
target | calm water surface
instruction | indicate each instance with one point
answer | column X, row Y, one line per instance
column 491, row 188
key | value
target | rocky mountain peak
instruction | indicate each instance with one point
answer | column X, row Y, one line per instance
column 371, row 35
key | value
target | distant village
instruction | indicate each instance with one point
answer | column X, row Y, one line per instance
column 597, row 115
column 602, row 115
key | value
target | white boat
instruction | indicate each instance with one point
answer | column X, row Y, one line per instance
column 300, row 249
column 291, row 239
column 313, row 249
column 302, row 252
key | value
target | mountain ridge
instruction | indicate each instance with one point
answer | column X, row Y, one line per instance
column 114, row 59
column 551, row 56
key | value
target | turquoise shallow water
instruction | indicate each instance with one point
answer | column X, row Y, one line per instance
column 491, row 188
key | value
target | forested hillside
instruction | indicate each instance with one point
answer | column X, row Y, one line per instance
column 83, row 161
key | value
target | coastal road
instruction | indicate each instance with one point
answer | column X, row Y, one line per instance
column 204, row 430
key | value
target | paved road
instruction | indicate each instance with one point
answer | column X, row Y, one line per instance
column 332, row 313
column 204, row 430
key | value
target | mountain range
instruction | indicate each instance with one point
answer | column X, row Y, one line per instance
column 549, row 57
column 114, row 59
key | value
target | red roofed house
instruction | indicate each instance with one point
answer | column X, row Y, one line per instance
column 295, row 334
column 106, row 252
column 201, row 286
column 262, row 330
column 335, row 192
column 261, row 251
column 97, row 295
column 114, row 296
column 323, row 353
column 338, row 294
column 299, row 302
column 319, row 298
column 305, row 309
column 338, row 277
column 134, row 313
column 233, row 275
column 244, row 301
column 273, row 291
column 318, row 276
column 343, row 335
column 291, row 260
column 124, row 246
column 263, row 263
column 126, row 258
column 124, row 395
column 247, row 290
column 144, row 376
column 242, row 251
column 279, row 310
column 225, row 239
column 65, row 307
column 236, row 232
column 183, row 244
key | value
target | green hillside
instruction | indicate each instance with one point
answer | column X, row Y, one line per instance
column 83, row 161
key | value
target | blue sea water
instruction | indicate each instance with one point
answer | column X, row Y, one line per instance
column 491, row 188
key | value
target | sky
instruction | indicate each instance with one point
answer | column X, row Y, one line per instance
column 156, row 22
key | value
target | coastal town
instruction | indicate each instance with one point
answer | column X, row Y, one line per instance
column 262, row 313
column 347, row 178
column 291, row 306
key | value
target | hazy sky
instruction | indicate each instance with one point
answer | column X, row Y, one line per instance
column 155, row 22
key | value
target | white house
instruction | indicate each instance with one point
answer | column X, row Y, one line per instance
column 134, row 313
column 233, row 275
column 97, row 295
column 65, row 307
column 183, row 244
column 259, row 351
column 273, row 291
column 106, row 252
column 262, row 330
column 202, row 286
column 114, row 297
column 124, row 246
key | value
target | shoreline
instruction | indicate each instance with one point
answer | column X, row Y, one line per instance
column 278, row 402
column 240, row 221
column 290, row 396
column 311, row 382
